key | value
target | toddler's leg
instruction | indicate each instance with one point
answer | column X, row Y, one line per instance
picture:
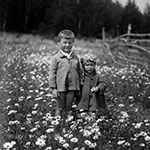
column 69, row 100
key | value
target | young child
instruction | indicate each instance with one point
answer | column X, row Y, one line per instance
column 92, row 98
column 65, row 73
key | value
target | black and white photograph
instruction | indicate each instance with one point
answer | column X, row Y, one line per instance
column 74, row 74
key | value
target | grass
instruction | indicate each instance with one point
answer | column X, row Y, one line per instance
column 27, row 100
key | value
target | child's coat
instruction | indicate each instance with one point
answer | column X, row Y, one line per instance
column 92, row 101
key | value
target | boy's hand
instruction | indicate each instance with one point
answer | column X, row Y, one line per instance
column 94, row 89
column 55, row 93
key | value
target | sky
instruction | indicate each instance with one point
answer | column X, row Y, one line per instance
column 140, row 3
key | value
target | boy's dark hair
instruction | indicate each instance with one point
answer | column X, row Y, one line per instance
column 67, row 34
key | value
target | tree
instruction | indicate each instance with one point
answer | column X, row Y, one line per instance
column 147, row 18
column 63, row 15
column 3, row 13
column 116, row 16
column 133, row 16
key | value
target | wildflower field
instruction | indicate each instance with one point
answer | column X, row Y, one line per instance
column 27, row 107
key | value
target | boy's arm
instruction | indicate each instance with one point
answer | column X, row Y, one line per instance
column 80, row 71
column 52, row 73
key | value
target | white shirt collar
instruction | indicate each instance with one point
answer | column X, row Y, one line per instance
column 66, row 54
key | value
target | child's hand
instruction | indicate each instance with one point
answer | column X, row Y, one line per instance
column 94, row 89
column 55, row 93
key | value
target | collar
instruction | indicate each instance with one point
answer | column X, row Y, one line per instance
column 90, row 75
column 65, row 54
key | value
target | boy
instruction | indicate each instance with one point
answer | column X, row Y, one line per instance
column 65, row 73
column 92, row 98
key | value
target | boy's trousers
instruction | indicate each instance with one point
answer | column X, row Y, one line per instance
column 64, row 102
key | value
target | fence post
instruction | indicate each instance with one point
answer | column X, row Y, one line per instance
column 129, row 31
column 103, row 33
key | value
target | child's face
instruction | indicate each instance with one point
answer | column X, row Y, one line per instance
column 66, row 44
column 89, row 67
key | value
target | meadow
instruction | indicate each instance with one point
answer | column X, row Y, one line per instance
column 27, row 107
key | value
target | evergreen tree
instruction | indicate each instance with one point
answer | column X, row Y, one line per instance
column 133, row 16
column 147, row 19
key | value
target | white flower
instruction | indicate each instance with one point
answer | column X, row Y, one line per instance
column 142, row 145
column 95, row 137
column 40, row 142
column 28, row 97
column 24, row 77
column 21, row 98
column 60, row 139
column 99, row 133
column 66, row 145
column 7, row 145
column 50, row 130
column 14, row 122
column 33, row 78
column 55, row 122
column 35, row 106
column 87, row 142
column 70, row 136
column 122, row 77
column 28, row 143
column 69, row 118
column 121, row 105
column 34, row 112
column 130, row 97
column 121, row 142
column 38, row 98
column 100, row 119
column 86, row 133
column 48, row 148
column 147, row 138
column 138, row 125
column 127, row 143
column 13, row 142
column 16, row 104
column 34, row 129
column 41, row 93
column 93, row 145
column 74, row 140
column 146, row 120
column 82, row 148
column 94, row 130
column 48, row 95
column 76, row 148
column 58, row 117
column 124, row 114
column 74, row 106
column 8, row 100
column 11, row 112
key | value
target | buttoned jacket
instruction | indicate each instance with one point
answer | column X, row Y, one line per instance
column 64, row 72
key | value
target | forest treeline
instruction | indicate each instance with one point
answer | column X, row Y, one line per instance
column 84, row 17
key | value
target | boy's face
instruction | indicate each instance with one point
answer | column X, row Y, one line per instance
column 66, row 44
column 89, row 67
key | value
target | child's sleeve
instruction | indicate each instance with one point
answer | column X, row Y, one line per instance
column 102, row 85
column 80, row 71
column 52, row 73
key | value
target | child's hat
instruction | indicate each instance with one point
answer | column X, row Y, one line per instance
column 88, row 58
